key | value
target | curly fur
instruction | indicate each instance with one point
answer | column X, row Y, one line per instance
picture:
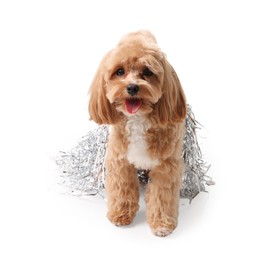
column 149, row 138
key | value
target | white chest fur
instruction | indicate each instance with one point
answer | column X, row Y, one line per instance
column 137, row 153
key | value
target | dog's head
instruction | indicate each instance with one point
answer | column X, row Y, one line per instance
column 136, row 78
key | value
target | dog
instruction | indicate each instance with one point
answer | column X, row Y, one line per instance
column 138, row 93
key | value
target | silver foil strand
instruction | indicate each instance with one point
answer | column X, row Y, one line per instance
column 82, row 169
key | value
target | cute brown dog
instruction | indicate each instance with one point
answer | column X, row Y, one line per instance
column 138, row 93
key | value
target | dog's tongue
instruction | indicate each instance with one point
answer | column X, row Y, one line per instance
column 132, row 105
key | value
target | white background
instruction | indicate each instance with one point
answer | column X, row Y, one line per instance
column 49, row 52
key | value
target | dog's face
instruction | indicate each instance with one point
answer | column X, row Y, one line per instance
column 135, row 78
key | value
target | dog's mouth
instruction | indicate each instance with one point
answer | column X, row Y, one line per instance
column 132, row 105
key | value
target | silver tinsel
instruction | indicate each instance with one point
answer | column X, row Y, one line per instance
column 83, row 168
column 194, row 176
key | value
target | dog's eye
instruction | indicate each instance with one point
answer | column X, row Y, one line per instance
column 120, row 72
column 147, row 72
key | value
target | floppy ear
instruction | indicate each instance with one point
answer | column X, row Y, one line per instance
column 171, row 107
column 100, row 109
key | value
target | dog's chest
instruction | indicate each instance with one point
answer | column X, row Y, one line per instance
column 137, row 152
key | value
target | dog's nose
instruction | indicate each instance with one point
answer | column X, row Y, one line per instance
column 132, row 89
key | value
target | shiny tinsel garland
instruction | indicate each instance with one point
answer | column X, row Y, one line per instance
column 83, row 168
column 194, row 176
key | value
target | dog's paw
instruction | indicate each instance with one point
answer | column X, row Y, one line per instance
column 119, row 218
column 162, row 231
column 163, row 228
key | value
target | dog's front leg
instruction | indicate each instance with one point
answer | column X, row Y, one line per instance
column 122, row 189
column 162, row 197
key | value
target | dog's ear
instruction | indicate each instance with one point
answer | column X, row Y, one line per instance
column 100, row 109
column 171, row 107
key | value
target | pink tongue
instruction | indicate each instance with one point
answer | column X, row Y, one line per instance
column 133, row 105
